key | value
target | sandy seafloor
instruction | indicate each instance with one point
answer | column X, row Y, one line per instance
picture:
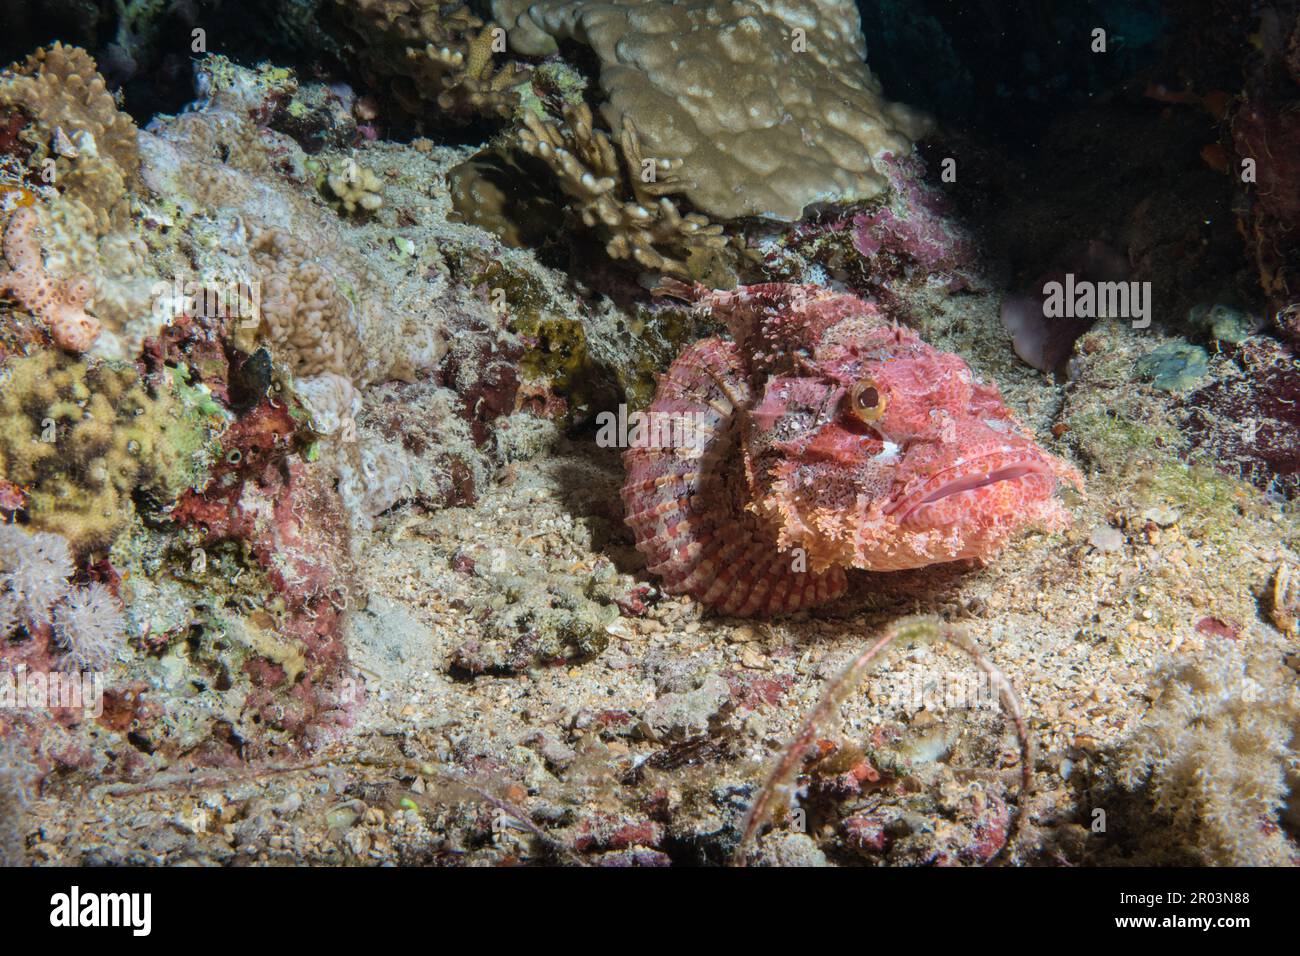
column 636, row 756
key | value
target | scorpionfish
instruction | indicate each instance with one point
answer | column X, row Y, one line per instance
column 824, row 437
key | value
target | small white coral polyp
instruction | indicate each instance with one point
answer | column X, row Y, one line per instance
column 35, row 569
column 89, row 625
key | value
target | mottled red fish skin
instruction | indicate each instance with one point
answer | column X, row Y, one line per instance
column 786, row 482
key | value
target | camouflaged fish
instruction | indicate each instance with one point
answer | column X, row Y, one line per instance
column 824, row 437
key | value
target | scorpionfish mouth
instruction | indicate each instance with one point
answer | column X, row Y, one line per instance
column 1007, row 485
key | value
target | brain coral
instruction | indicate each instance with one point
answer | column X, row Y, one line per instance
column 769, row 102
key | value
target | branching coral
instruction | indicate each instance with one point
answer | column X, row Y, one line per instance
column 59, row 303
column 466, row 80
column 355, row 186
column 433, row 56
column 648, row 228
column 83, row 438
column 1218, row 754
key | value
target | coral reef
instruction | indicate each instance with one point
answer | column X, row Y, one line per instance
column 76, row 125
column 289, row 524
column 323, row 306
column 80, row 152
column 669, row 164
column 304, row 311
column 61, row 305
column 807, row 128
column 84, row 438
column 427, row 438
column 589, row 351
column 312, row 435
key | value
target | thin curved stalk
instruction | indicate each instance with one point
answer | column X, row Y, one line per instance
column 911, row 629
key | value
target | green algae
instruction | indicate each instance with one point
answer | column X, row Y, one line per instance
column 1174, row 366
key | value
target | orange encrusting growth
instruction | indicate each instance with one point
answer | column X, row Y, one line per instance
column 60, row 304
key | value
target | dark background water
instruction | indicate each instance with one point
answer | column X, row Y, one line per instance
column 1008, row 67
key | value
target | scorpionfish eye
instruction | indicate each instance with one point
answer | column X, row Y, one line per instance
column 867, row 401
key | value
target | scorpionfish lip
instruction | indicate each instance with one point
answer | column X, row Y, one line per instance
column 973, row 475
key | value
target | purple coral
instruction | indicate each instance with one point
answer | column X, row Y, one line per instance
column 35, row 571
column 89, row 625
column 914, row 225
